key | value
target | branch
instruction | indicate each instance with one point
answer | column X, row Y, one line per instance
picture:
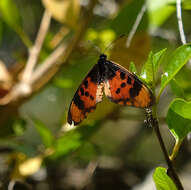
column 180, row 24
column 171, row 170
column 44, row 73
column 35, row 50
column 135, row 25
column 64, row 51
column 23, row 88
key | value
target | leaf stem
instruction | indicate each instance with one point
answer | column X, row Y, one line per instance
column 175, row 150
column 171, row 170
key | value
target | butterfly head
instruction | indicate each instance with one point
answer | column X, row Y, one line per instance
column 102, row 58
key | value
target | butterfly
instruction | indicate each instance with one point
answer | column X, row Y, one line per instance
column 118, row 84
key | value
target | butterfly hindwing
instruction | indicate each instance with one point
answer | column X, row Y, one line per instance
column 123, row 87
column 89, row 93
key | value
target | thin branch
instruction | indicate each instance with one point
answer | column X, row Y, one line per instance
column 64, row 50
column 136, row 24
column 38, row 83
column 48, row 63
column 180, row 24
column 171, row 170
column 22, row 88
column 35, row 50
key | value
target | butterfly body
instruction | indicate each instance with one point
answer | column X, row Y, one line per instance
column 119, row 85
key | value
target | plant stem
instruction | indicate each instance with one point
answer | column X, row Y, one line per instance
column 171, row 170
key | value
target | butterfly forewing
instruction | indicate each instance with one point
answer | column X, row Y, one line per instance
column 89, row 93
column 125, row 88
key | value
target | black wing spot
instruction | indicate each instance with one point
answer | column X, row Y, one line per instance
column 86, row 84
column 82, row 91
column 134, row 91
column 123, row 85
column 87, row 94
column 78, row 102
column 129, row 80
column 91, row 97
column 122, row 75
column 117, row 91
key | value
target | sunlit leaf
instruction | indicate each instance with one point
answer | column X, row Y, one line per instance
column 10, row 13
column 147, row 70
column 11, row 16
column 179, row 118
column 159, row 11
column 162, row 180
column 132, row 68
column 45, row 133
column 178, row 59
column 65, row 11
column 157, row 59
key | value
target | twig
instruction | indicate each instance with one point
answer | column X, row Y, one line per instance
column 23, row 88
column 11, row 109
column 180, row 24
column 171, row 170
column 48, row 63
column 64, row 50
column 136, row 24
column 35, row 50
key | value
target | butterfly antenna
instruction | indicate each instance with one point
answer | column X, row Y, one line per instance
column 98, row 50
column 113, row 42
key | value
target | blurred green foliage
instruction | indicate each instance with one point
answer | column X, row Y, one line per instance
column 37, row 128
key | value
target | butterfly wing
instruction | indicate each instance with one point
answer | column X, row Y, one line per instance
column 123, row 87
column 89, row 93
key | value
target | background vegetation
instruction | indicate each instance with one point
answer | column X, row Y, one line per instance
column 45, row 54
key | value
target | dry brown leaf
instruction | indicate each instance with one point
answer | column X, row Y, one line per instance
column 137, row 52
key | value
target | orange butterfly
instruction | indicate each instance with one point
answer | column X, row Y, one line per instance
column 119, row 85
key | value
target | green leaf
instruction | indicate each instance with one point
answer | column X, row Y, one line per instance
column 177, row 88
column 179, row 118
column 180, row 84
column 132, row 68
column 162, row 180
column 159, row 11
column 187, row 5
column 178, row 59
column 74, row 139
column 157, row 59
column 11, row 16
column 19, row 126
column 10, row 13
column 44, row 132
column 63, row 83
column 147, row 70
